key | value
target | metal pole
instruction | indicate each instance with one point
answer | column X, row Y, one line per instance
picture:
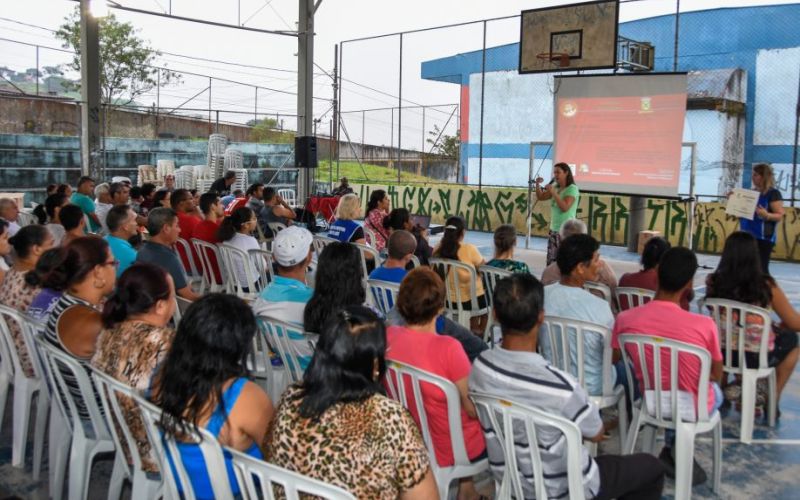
column 334, row 136
column 677, row 26
column 255, row 110
column 483, row 86
column 529, row 218
column 796, row 135
column 91, row 158
column 339, row 102
column 692, row 202
column 305, row 88
column 37, row 70
column 209, row 103
column 330, row 151
column 400, row 116
column 423, row 130
column 216, row 124
column 363, row 125
column 391, row 138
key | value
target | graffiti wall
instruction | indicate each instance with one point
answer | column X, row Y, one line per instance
column 605, row 215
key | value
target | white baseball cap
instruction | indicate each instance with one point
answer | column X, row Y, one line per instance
column 291, row 245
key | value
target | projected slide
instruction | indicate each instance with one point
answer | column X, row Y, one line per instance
column 622, row 133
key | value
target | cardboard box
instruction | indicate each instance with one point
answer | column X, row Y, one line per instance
column 644, row 237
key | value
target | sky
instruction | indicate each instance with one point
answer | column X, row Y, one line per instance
column 371, row 68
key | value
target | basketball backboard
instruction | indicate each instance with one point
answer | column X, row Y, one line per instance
column 583, row 34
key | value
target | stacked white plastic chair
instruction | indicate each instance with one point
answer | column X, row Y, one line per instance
column 165, row 168
column 145, row 173
column 184, row 177
column 241, row 179
column 289, row 196
column 217, row 143
column 234, row 159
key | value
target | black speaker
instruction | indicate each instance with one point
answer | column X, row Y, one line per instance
column 305, row 152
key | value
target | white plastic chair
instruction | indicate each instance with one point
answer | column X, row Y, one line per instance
column 111, row 390
column 490, row 276
column 243, row 278
column 276, row 227
column 163, row 447
column 658, row 407
column 732, row 325
column 26, row 219
column 279, row 337
column 366, row 251
column 497, row 415
column 415, row 262
column 382, row 294
column 369, row 236
column 257, row 479
column 601, row 290
column 259, row 362
column 566, row 339
column 289, row 196
column 454, row 303
column 205, row 251
column 633, row 297
column 403, row 383
column 25, row 389
column 262, row 263
column 195, row 278
column 89, row 437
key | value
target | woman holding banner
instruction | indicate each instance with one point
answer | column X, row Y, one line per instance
column 563, row 194
column 769, row 211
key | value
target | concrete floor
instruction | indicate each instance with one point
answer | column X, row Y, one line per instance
column 768, row 468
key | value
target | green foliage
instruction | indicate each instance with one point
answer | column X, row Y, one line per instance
column 443, row 144
column 374, row 173
column 265, row 131
column 126, row 60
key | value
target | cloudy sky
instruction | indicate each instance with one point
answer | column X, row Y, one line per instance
column 371, row 67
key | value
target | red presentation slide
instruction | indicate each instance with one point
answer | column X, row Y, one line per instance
column 623, row 141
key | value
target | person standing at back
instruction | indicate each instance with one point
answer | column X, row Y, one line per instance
column 564, row 195
column 222, row 186
column 769, row 212
column 83, row 198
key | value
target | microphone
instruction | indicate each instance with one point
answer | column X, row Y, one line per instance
column 552, row 181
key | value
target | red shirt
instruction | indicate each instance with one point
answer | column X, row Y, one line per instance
column 236, row 203
column 206, row 230
column 443, row 356
column 187, row 223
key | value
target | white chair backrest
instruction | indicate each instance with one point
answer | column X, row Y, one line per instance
column 567, row 339
column 240, row 270
column 262, row 263
column 500, row 415
column 181, row 305
column 163, row 445
column 209, row 260
column 415, row 261
column 368, row 250
column 403, row 383
column 277, row 334
column 490, row 276
column 186, row 249
column 27, row 328
column 60, row 365
column 738, row 323
column 26, row 219
column 668, row 357
column 369, row 235
column 629, row 297
column 289, row 196
column 320, row 242
column 452, row 270
column 257, row 479
column 600, row 289
column 276, row 227
column 383, row 294
column 111, row 390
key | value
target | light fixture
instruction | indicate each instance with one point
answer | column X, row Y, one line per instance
column 98, row 8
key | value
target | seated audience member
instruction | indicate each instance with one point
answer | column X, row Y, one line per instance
column 505, row 239
column 75, row 323
column 148, row 198
column 401, row 247
column 515, row 371
column 255, row 197
column 605, row 274
column 74, row 222
column 206, row 230
column 222, row 186
column 121, row 224
column 400, row 219
column 578, row 259
column 135, row 339
column 337, row 283
column 236, row 230
column 203, row 383
column 275, row 210
column 377, row 210
column 229, row 198
column 340, row 410
column 120, row 193
column 169, row 183
column 182, row 203
column 663, row 317
column 29, row 244
column 5, row 249
column 162, row 198
column 103, row 203
column 38, row 210
column 83, row 198
column 136, row 199
column 647, row 278
column 50, row 280
column 9, row 213
column 420, row 301
column 52, row 208
column 453, row 247
column 64, row 189
column 739, row 276
column 345, row 228
column 162, row 224
column 253, row 191
column 343, row 189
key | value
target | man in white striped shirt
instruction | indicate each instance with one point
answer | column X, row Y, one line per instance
column 515, row 371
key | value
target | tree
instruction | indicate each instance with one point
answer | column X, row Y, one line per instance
column 443, row 144
column 126, row 60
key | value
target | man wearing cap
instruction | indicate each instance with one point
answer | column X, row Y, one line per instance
column 344, row 188
column 285, row 298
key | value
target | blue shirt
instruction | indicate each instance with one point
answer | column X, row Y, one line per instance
column 344, row 230
column 758, row 227
column 123, row 252
column 87, row 207
column 392, row 275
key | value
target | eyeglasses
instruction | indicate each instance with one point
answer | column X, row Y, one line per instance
column 114, row 263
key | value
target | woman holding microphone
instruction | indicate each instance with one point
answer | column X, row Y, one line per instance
column 563, row 195
column 769, row 211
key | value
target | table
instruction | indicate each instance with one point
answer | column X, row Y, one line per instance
column 326, row 205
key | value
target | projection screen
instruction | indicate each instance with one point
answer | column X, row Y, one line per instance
column 621, row 133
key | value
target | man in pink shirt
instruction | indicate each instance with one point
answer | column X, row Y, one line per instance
column 664, row 317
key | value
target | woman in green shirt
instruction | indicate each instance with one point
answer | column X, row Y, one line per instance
column 563, row 196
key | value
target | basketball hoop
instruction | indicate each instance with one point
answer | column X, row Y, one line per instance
column 559, row 58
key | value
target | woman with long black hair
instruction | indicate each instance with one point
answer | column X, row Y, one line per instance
column 338, row 426
column 740, row 277
column 338, row 283
column 452, row 246
column 563, row 194
column 377, row 211
column 400, row 218
column 203, row 383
